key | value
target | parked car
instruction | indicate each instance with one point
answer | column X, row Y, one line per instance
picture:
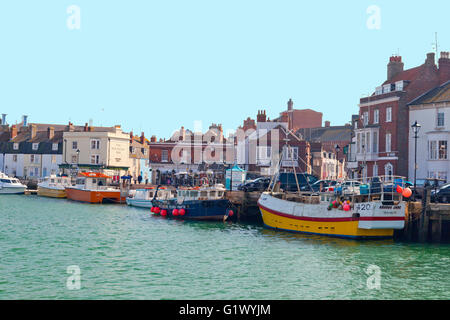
column 289, row 183
column 348, row 187
column 442, row 194
column 320, row 185
column 259, row 184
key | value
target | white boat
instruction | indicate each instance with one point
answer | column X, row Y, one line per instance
column 10, row 185
column 143, row 197
column 54, row 186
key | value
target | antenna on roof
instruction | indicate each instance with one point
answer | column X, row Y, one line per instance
column 435, row 44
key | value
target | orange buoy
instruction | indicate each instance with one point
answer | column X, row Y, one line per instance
column 407, row 192
column 399, row 189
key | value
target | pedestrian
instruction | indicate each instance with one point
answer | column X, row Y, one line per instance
column 139, row 179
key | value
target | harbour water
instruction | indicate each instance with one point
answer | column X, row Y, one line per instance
column 125, row 253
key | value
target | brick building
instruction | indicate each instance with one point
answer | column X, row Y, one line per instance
column 383, row 127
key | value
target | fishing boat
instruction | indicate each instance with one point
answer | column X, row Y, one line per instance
column 93, row 187
column 197, row 203
column 143, row 197
column 373, row 212
column 10, row 185
column 54, row 186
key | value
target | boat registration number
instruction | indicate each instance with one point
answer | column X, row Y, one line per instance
column 363, row 206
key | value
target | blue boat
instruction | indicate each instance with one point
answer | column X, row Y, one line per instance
column 201, row 203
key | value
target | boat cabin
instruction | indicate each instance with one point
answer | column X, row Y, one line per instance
column 201, row 193
column 92, row 181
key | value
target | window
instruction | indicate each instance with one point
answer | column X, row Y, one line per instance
column 32, row 158
column 375, row 170
column 35, row 146
column 437, row 150
column 95, row 144
column 363, row 142
column 165, row 156
column 432, row 150
column 389, row 114
column 290, row 153
column 264, row 152
column 366, row 118
column 367, row 144
column 54, row 147
column 53, row 158
column 16, row 146
column 358, row 143
column 95, row 159
column 388, row 169
column 375, row 142
column 376, row 116
column 74, row 145
column 14, row 157
column 144, row 151
column 74, row 159
column 388, row 142
column 440, row 119
column 132, row 149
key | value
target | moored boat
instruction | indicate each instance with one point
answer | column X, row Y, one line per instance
column 54, row 186
column 198, row 203
column 93, row 187
column 10, row 185
column 372, row 214
column 143, row 197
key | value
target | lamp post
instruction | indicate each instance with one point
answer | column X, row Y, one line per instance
column 337, row 148
column 416, row 128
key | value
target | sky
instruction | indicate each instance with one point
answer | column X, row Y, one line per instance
column 154, row 66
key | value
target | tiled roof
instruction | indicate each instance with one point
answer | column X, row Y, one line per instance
column 436, row 95
column 407, row 75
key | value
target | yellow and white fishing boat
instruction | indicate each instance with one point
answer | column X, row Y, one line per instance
column 54, row 186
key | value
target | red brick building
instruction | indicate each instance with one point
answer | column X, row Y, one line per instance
column 383, row 127
column 300, row 118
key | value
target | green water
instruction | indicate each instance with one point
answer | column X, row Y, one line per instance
column 125, row 253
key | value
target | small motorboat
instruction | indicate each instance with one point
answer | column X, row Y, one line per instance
column 143, row 197
column 10, row 185
column 54, row 186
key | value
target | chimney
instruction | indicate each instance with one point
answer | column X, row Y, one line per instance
column 3, row 118
column 131, row 135
column 261, row 117
column 290, row 105
column 24, row 120
column 13, row 131
column 153, row 139
column 327, row 124
column 142, row 138
column 50, row 133
column 394, row 67
column 444, row 67
column 430, row 59
column 85, row 129
column 183, row 134
column 33, row 131
column 71, row 128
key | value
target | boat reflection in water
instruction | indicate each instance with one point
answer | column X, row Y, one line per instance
column 143, row 197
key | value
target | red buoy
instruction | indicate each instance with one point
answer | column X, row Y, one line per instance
column 164, row 213
column 152, row 209
column 181, row 212
column 230, row 213
column 157, row 210
column 175, row 212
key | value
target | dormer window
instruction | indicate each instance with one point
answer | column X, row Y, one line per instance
column 54, row 147
column 16, row 146
column 399, row 86
column 35, row 146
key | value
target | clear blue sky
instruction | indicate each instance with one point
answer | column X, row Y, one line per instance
column 156, row 65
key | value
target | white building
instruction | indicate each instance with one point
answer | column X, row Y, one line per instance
column 432, row 112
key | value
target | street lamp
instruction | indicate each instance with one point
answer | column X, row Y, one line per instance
column 416, row 128
column 337, row 148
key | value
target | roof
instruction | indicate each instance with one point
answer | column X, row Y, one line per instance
column 324, row 134
column 439, row 94
column 406, row 75
column 93, row 175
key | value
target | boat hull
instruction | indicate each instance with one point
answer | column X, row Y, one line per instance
column 316, row 219
column 217, row 210
column 94, row 196
column 12, row 190
column 139, row 203
column 51, row 193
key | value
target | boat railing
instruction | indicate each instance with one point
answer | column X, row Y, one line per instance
column 378, row 188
